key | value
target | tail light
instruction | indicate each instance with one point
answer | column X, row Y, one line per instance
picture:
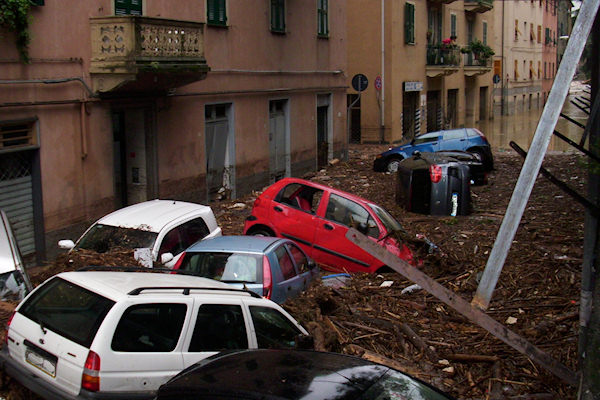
column 180, row 261
column 435, row 172
column 481, row 134
column 90, row 380
column 267, row 279
column 10, row 318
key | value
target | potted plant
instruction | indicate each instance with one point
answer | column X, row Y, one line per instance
column 481, row 51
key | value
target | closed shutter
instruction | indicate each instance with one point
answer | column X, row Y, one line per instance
column 16, row 197
column 216, row 12
column 128, row 7
column 409, row 23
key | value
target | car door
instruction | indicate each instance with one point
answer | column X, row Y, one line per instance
column 428, row 142
column 271, row 328
column 332, row 249
column 286, row 281
column 454, row 139
column 179, row 238
column 292, row 218
column 215, row 326
column 145, row 349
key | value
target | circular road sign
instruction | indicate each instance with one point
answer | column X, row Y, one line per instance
column 378, row 83
column 496, row 78
column 360, row 82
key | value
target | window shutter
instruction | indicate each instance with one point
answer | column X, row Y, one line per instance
column 409, row 23
column 128, row 7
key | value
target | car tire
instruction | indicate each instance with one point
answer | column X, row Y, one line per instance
column 261, row 232
column 392, row 165
column 478, row 153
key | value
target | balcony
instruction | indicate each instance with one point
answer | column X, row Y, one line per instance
column 442, row 60
column 134, row 54
column 441, row 1
column 479, row 6
column 474, row 66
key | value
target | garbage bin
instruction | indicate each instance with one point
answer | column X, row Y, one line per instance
column 435, row 184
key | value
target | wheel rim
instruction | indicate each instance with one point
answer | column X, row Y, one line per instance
column 393, row 166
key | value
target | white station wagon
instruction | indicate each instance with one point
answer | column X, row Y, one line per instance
column 120, row 335
column 165, row 227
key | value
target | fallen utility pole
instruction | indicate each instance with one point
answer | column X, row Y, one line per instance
column 474, row 314
column 537, row 150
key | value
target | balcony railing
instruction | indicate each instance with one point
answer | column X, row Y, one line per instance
column 479, row 6
column 126, row 50
column 473, row 65
column 443, row 55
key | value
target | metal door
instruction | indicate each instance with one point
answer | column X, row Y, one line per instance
column 277, row 140
column 218, row 176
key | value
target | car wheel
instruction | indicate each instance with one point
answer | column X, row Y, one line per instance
column 261, row 232
column 478, row 153
column 392, row 165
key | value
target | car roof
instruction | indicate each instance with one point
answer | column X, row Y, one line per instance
column 286, row 181
column 116, row 285
column 237, row 243
column 153, row 215
column 7, row 261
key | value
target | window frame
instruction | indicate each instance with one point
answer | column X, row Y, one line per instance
column 453, row 24
column 127, row 7
column 409, row 23
column 323, row 18
column 278, row 16
column 218, row 8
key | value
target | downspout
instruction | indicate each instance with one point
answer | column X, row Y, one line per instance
column 382, row 109
column 502, row 94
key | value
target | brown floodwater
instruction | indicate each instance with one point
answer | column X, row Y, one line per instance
column 521, row 127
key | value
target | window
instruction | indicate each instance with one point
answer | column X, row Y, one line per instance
column 67, row 309
column 531, row 70
column 18, row 135
column 299, row 196
column 299, row 258
column 539, row 34
column 428, row 137
column 322, row 18
column 485, row 32
column 531, row 32
column 224, row 266
column 149, row 328
column 409, row 23
column 183, row 236
column 539, row 70
column 545, row 73
column 517, row 32
column 285, row 263
column 216, row 12
column 452, row 25
column 219, row 327
column 128, row 7
column 454, row 134
column 278, row 16
column 349, row 213
column 516, row 69
column 273, row 329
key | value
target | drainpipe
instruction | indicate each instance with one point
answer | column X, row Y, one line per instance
column 382, row 71
column 502, row 94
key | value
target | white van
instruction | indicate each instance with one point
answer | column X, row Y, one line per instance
column 165, row 227
column 14, row 281
column 120, row 335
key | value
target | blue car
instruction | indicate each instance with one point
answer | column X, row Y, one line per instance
column 275, row 268
column 464, row 139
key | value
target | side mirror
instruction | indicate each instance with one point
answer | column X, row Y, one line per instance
column 363, row 228
column 311, row 264
column 166, row 257
column 304, row 342
column 66, row 244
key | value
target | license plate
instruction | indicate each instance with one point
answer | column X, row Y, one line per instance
column 40, row 362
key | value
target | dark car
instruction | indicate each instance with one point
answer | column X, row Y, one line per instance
column 293, row 374
column 463, row 139
column 271, row 267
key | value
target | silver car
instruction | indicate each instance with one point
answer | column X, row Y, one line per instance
column 14, row 282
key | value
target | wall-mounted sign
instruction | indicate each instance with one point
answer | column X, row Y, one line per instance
column 359, row 82
column 378, row 83
column 413, row 86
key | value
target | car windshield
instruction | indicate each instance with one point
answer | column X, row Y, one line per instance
column 67, row 309
column 395, row 385
column 225, row 267
column 386, row 219
column 102, row 238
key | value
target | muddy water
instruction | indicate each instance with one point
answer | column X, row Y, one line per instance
column 520, row 128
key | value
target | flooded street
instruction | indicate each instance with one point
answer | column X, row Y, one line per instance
column 521, row 127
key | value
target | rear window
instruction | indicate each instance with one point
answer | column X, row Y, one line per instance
column 225, row 267
column 67, row 309
column 102, row 238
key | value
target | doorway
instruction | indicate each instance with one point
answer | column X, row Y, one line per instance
column 279, row 148
column 134, row 150
column 220, row 152
column 452, row 110
column 410, row 114
column 322, row 130
column 483, row 103
column 434, row 111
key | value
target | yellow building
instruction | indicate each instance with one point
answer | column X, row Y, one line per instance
column 424, row 65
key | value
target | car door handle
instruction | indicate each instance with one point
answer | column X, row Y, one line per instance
column 278, row 209
column 328, row 227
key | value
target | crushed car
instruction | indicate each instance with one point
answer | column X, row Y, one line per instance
column 120, row 335
column 164, row 228
column 14, row 281
column 317, row 217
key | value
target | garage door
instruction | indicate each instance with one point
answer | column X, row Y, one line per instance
column 16, row 197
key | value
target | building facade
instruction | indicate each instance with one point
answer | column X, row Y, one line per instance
column 419, row 79
column 128, row 100
column 550, row 45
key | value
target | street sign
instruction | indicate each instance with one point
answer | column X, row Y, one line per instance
column 378, row 83
column 360, row 82
column 496, row 78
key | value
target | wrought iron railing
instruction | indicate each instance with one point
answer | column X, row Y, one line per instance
column 443, row 55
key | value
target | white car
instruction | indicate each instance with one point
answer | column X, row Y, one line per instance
column 120, row 335
column 165, row 227
column 14, row 281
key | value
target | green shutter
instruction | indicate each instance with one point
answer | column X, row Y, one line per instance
column 216, row 12
column 485, row 33
column 322, row 18
column 452, row 24
column 278, row 15
column 128, row 7
column 409, row 23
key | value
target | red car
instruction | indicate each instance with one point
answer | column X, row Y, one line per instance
column 317, row 217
